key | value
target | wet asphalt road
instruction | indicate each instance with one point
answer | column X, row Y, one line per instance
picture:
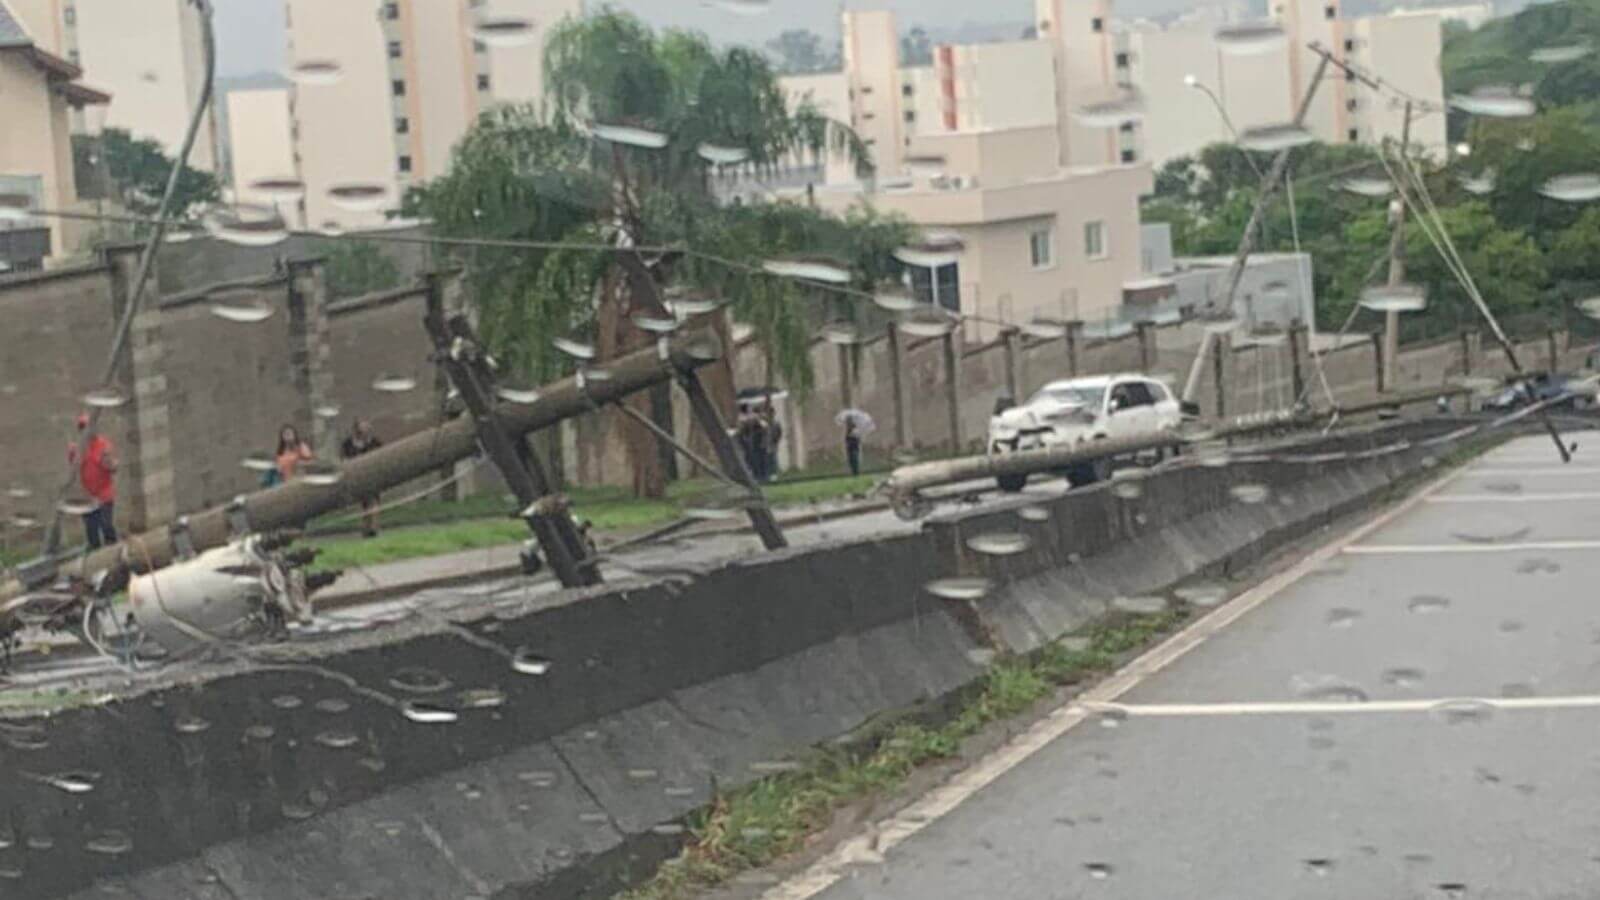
column 1489, row 588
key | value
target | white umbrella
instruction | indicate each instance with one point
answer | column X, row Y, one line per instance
column 863, row 422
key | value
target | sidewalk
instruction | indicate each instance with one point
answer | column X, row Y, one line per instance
column 388, row 580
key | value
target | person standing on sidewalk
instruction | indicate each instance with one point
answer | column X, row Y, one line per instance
column 852, row 444
column 774, row 439
column 291, row 452
column 97, row 475
column 752, row 438
column 362, row 440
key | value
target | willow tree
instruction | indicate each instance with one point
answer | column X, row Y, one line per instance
column 623, row 153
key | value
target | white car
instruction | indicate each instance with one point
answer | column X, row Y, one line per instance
column 1081, row 410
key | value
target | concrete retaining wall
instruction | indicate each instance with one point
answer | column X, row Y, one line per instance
column 266, row 784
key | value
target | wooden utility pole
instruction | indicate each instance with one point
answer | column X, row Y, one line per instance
column 1397, row 267
column 1247, row 240
column 1269, row 186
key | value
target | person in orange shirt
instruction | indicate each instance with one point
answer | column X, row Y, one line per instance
column 292, row 451
column 97, row 476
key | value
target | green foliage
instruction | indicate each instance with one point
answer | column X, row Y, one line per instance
column 799, row 52
column 137, row 170
column 1508, row 240
column 533, row 174
column 355, row 269
column 762, row 822
column 916, row 47
column 1500, row 53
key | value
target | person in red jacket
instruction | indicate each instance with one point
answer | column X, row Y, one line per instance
column 97, row 475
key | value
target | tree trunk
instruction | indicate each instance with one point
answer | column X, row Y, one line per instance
column 618, row 336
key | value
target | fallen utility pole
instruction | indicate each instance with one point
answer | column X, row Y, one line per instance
column 907, row 483
column 293, row 504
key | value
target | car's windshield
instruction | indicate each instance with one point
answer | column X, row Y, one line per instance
column 1074, row 395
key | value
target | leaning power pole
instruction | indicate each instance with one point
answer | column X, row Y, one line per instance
column 1247, row 240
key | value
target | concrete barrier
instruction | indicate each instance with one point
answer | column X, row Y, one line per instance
column 628, row 707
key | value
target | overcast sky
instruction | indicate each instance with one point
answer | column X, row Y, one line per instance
column 250, row 32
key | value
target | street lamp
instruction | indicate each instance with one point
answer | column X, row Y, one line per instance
column 1193, row 81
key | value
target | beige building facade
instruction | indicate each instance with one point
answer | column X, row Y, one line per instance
column 1266, row 87
column 413, row 75
column 147, row 54
column 38, row 92
column 259, row 128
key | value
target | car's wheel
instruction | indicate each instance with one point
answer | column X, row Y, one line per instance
column 1011, row 484
column 1090, row 472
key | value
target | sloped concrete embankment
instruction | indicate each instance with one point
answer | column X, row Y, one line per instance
column 628, row 708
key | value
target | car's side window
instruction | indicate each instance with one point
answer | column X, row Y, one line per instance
column 1137, row 394
column 1120, row 398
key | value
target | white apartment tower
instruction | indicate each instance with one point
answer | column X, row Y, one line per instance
column 148, row 54
column 873, row 86
column 413, row 76
column 1089, row 69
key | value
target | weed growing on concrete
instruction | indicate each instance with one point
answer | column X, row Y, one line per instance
column 761, row 822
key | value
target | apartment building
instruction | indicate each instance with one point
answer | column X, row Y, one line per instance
column 38, row 91
column 259, row 125
column 384, row 90
column 147, row 54
column 1090, row 69
column 1175, row 68
column 977, row 154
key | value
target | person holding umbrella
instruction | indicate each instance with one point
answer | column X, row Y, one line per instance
column 857, row 425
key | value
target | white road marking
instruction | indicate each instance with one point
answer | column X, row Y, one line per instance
column 1524, row 547
column 1294, row 708
column 1539, row 472
column 1515, row 498
column 883, row 836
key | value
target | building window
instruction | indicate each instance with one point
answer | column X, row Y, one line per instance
column 1349, row 45
column 866, row 89
column 1122, row 60
column 70, row 15
column 1330, row 11
column 402, row 125
column 405, row 163
column 480, row 47
column 394, row 49
column 1354, row 135
column 391, row 11
column 1097, row 25
column 1129, row 156
column 398, row 87
column 483, row 82
column 911, row 115
column 1351, row 104
column 1094, row 240
column 74, row 56
column 1126, row 128
column 1042, row 247
column 905, row 90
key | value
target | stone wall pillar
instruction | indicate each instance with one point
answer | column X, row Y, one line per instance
column 1147, row 346
column 146, row 494
column 309, row 352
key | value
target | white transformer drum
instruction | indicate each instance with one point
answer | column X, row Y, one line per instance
column 238, row 592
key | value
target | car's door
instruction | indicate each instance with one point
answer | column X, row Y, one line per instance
column 1133, row 410
column 1168, row 411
